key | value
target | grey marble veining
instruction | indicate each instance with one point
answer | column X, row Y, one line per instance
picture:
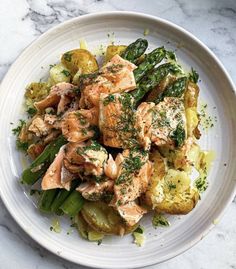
column 212, row 21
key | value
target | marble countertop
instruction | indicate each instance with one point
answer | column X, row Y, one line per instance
column 212, row 21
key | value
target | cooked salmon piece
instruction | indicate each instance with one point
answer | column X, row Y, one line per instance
column 143, row 124
column 117, row 119
column 111, row 168
column 57, row 96
column 133, row 177
column 131, row 213
column 39, row 127
column 77, row 125
column 89, row 157
column 52, row 178
column 158, row 123
column 114, row 77
column 167, row 116
column 94, row 191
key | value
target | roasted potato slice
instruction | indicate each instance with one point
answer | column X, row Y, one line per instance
column 104, row 219
column 112, row 50
column 190, row 103
column 85, row 230
column 79, row 59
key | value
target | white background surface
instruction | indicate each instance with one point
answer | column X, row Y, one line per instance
column 214, row 22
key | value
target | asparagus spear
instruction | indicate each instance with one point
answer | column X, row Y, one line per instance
column 135, row 50
column 152, row 58
column 39, row 166
column 61, row 197
column 154, row 78
column 72, row 204
column 46, row 199
column 176, row 89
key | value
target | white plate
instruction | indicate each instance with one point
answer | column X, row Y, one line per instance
column 216, row 89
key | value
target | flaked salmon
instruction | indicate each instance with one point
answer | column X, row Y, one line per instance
column 94, row 191
column 162, row 124
column 114, row 77
column 60, row 95
column 77, row 126
column 131, row 213
column 133, row 177
column 117, row 119
column 53, row 177
column 89, row 157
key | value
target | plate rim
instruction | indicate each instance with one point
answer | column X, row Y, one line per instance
column 144, row 16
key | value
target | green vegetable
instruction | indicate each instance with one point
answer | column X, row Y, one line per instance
column 61, row 197
column 151, row 59
column 176, row 89
column 193, row 76
column 170, row 55
column 160, row 221
column 135, row 50
column 178, row 135
column 39, row 166
column 73, row 204
column 46, row 199
column 154, row 78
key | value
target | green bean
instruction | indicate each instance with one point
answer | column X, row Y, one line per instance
column 135, row 50
column 176, row 89
column 152, row 58
column 73, row 204
column 40, row 165
column 46, row 199
column 153, row 79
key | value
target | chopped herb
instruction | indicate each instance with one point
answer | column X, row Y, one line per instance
column 22, row 145
column 201, row 183
column 31, row 111
column 170, row 55
column 68, row 56
column 110, row 98
column 159, row 221
column 193, row 76
column 178, row 135
column 171, row 186
column 99, row 242
column 81, row 118
column 65, row 72
column 51, row 66
column 16, row 131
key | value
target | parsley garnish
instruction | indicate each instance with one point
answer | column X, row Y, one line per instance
column 65, row 72
column 160, row 221
column 16, row 131
column 68, row 56
column 193, row 76
column 107, row 100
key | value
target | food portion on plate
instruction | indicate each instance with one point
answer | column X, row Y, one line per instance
column 111, row 142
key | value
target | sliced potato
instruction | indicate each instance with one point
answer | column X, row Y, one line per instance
column 112, row 50
column 190, row 103
column 59, row 73
column 79, row 59
column 104, row 219
column 85, row 230
column 36, row 91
